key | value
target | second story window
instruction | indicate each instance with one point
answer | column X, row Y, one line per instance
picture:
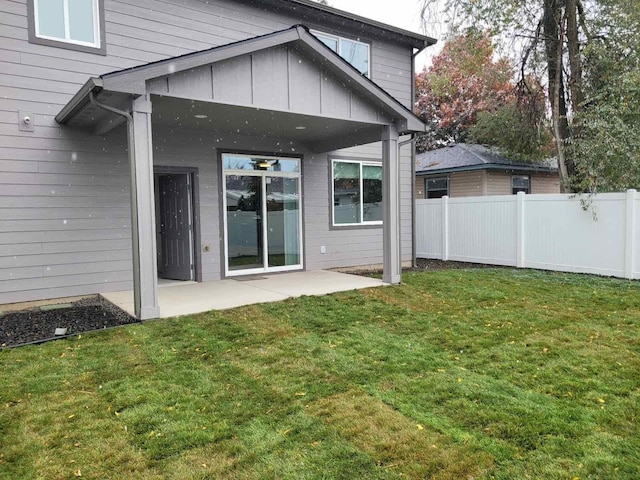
column 354, row 52
column 70, row 21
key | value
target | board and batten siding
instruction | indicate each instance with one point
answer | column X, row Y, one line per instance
column 64, row 195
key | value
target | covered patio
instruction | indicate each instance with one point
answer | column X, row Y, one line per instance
column 176, row 299
column 284, row 94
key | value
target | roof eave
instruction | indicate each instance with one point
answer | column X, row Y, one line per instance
column 416, row 40
column 490, row 166
column 411, row 122
column 133, row 81
column 79, row 100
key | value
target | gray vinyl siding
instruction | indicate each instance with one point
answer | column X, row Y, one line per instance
column 347, row 246
column 64, row 195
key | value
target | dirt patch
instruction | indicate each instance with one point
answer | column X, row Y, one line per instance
column 433, row 264
column 427, row 264
column 39, row 324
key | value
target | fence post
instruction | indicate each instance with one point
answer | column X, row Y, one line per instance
column 630, row 240
column 520, row 229
column 445, row 228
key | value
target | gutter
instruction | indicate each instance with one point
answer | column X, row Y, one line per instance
column 79, row 100
column 490, row 166
column 414, row 238
column 419, row 41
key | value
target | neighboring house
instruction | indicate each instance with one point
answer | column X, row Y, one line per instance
column 199, row 140
column 468, row 170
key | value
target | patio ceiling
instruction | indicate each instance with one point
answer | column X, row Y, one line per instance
column 316, row 133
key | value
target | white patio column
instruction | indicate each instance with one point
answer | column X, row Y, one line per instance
column 392, row 270
column 145, row 279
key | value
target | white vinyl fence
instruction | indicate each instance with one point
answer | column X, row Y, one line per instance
column 550, row 232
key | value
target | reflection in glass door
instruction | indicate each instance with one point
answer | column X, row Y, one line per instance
column 283, row 215
column 262, row 214
column 244, row 222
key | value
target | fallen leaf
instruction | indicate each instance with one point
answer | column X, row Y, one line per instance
column 420, row 427
column 77, row 473
column 300, row 394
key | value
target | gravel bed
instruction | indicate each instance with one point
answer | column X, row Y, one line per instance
column 37, row 325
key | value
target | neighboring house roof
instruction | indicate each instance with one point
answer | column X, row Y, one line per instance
column 468, row 156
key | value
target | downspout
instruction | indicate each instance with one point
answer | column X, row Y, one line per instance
column 414, row 262
column 134, row 215
column 413, row 154
column 412, row 141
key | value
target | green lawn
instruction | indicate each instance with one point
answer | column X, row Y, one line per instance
column 457, row 374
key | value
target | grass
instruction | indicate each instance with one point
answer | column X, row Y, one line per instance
column 459, row 374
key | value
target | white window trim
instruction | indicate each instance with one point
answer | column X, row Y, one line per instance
column 262, row 174
column 67, row 34
column 333, row 185
column 426, row 185
column 339, row 52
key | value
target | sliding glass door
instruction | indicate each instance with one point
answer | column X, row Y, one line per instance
column 263, row 222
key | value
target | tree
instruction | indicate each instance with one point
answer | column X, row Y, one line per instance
column 606, row 143
column 574, row 43
column 462, row 82
column 547, row 32
column 468, row 95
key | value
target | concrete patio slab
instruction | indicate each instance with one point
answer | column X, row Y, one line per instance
column 318, row 282
column 190, row 298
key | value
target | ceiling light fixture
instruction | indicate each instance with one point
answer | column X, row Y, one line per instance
column 301, row 127
column 201, row 116
column 265, row 164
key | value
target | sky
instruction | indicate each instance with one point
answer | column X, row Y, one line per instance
column 399, row 13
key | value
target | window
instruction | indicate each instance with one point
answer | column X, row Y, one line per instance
column 354, row 52
column 357, row 193
column 520, row 183
column 436, row 187
column 75, row 24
